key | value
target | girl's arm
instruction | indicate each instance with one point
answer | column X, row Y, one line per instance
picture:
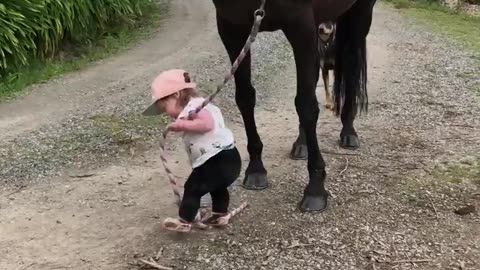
column 202, row 123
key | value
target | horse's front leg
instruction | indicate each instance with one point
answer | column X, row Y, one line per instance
column 302, row 35
column 233, row 38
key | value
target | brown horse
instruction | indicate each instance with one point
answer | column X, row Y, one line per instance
column 299, row 21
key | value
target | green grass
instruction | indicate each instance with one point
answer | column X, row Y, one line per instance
column 120, row 129
column 72, row 59
column 453, row 180
column 467, row 170
column 461, row 28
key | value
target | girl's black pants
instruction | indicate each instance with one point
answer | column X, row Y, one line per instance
column 214, row 177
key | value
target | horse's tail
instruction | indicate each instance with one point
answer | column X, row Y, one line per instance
column 350, row 86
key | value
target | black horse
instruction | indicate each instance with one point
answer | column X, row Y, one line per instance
column 299, row 21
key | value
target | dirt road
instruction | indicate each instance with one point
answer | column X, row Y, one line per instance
column 82, row 186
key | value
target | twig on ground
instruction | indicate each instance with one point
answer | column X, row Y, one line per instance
column 368, row 191
column 378, row 241
column 17, row 190
column 408, row 261
column 433, row 205
column 159, row 254
column 346, row 166
column 298, row 244
column 153, row 264
column 461, row 125
column 82, row 175
column 356, row 239
column 373, row 260
column 332, row 195
column 28, row 266
column 412, row 261
column 339, row 154
column 468, row 258
column 381, row 253
column 374, row 188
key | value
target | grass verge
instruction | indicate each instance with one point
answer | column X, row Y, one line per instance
column 452, row 181
column 462, row 28
column 467, row 170
column 72, row 59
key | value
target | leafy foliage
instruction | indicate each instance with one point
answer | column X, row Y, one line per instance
column 36, row 28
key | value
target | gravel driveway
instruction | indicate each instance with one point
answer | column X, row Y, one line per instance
column 82, row 186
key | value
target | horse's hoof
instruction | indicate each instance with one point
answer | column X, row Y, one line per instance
column 311, row 203
column 350, row 142
column 255, row 181
column 299, row 152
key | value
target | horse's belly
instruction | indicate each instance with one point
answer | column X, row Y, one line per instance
column 236, row 11
column 240, row 12
column 330, row 10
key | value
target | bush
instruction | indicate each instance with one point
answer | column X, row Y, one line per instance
column 36, row 28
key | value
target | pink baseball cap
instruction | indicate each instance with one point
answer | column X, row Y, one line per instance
column 167, row 83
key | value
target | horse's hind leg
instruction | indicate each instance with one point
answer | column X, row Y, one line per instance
column 233, row 38
column 302, row 35
column 350, row 86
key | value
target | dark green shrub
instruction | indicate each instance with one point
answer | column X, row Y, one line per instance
column 35, row 28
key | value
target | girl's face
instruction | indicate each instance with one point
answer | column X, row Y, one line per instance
column 170, row 105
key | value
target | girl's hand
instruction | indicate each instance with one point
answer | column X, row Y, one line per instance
column 175, row 126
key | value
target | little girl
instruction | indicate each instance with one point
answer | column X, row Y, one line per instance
column 215, row 160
